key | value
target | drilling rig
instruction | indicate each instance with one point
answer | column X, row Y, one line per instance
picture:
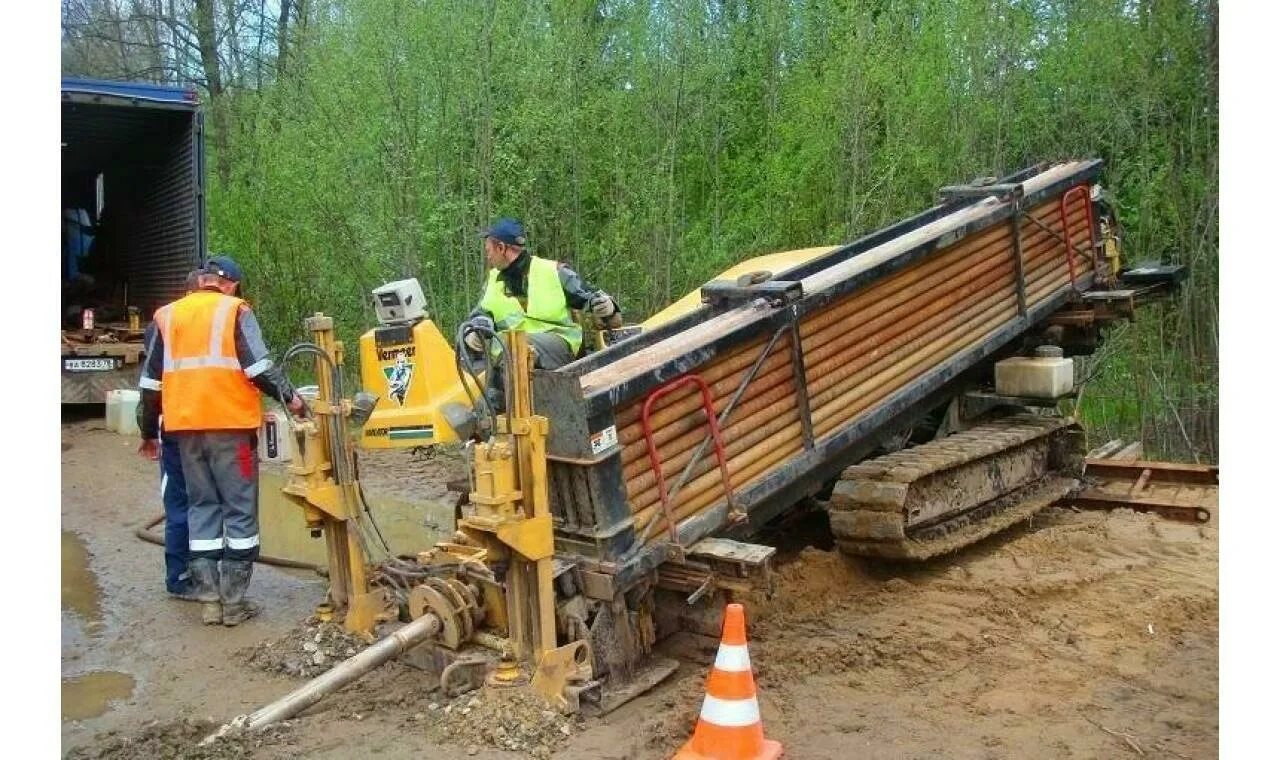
column 911, row 383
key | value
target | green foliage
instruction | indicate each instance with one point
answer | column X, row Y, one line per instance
column 653, row 144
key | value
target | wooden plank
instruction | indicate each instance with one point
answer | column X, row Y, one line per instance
column 1105, row 450
column 1130, row 453
column 729, row 550
column 1168, row 472
column 1175, row 510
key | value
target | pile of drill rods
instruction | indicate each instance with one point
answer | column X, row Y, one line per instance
column 858, row 351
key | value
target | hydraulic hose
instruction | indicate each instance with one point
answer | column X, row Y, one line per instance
column 144, row 533
column 459, row 350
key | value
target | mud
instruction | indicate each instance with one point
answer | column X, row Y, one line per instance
column 1071, row 636
column 180, row 739
column 418, row 474
column 305, row 652
column 90, row 694
column 81, row 593
column 507, row 720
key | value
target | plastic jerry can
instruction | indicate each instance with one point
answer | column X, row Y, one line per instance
column 113, row 411
column 275, row 437
column 127, row 412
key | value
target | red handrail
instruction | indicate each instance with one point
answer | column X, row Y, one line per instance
column 1066, row 232
column 655, row 461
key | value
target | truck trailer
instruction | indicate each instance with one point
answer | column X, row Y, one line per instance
column 133, row 223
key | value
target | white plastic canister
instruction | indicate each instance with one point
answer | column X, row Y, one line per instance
column 113, row 411
column 275, row 442
column 127, row 412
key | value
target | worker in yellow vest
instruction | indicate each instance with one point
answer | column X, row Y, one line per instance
column 206, row 364
column 534, row 295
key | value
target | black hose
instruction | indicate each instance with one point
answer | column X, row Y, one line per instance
column 337, row 434
column 364, row 501
column 144, row 533
column 460, row 348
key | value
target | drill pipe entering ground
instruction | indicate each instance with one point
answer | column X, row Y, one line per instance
column 352, row 669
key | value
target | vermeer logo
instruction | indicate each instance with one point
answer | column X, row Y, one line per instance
column 387, row 354
column 399, row 376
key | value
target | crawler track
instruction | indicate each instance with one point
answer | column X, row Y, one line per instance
column 936, row 498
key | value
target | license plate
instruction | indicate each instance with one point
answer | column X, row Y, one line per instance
column 90, row 365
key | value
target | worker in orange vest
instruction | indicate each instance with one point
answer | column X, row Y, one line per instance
column 208, row 351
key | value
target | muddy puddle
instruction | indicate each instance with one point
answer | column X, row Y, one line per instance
column 90, row 695
column 86, row 695
column 81, row 594
column 409, row 527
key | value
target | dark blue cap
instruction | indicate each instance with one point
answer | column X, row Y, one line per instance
column 507, row 230
column 225, row 267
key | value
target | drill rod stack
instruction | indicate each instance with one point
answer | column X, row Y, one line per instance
column 819, row 361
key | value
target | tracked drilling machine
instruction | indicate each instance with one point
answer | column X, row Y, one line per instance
column 614, row 502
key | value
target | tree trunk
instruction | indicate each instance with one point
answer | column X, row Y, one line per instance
column 282, row 39
column 206, row 39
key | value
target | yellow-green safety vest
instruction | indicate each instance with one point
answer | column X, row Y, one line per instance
column 546, row 311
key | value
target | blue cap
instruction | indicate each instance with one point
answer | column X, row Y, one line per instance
column 507, row 230
column 225, row 267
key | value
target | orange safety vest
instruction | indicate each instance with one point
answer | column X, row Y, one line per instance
column 205, row 387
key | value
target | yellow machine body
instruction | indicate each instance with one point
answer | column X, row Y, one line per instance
column 411, row 368
column 773, row 262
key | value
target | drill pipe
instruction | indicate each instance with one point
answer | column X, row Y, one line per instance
column 951, row 268
column 781, row 447
column 745, row 468
column 735, row 360
column 929, row 333
column 680, row 449
column 398, row 642
column 850, row 394
column 738, row 440
column 954, row 309
column 857, row 394
column 993, row 241
column 883, row 323
column 703, row 492
column 910, row 336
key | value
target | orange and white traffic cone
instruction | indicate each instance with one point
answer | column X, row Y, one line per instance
column 729, row 726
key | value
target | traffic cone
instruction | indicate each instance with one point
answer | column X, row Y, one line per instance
column 729, row 726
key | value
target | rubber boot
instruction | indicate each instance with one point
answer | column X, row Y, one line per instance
column 235, row 583
column 204, row 585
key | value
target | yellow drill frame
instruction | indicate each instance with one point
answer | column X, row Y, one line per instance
column 329, row 505
column 511, row 518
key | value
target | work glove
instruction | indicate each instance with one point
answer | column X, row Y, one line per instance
column 602, row 305
column 470, row 336
column 298, row 406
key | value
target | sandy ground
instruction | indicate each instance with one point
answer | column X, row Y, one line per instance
column 1081, row 635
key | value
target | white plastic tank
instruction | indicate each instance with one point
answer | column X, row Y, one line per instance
column 113, row 411
column 127, row 412
column 1047, row 375
column 275, row 437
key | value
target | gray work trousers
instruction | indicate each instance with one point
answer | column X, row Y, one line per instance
column 221, row 470
column 550, row 352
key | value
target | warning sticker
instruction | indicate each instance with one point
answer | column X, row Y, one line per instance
column 604, row 440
